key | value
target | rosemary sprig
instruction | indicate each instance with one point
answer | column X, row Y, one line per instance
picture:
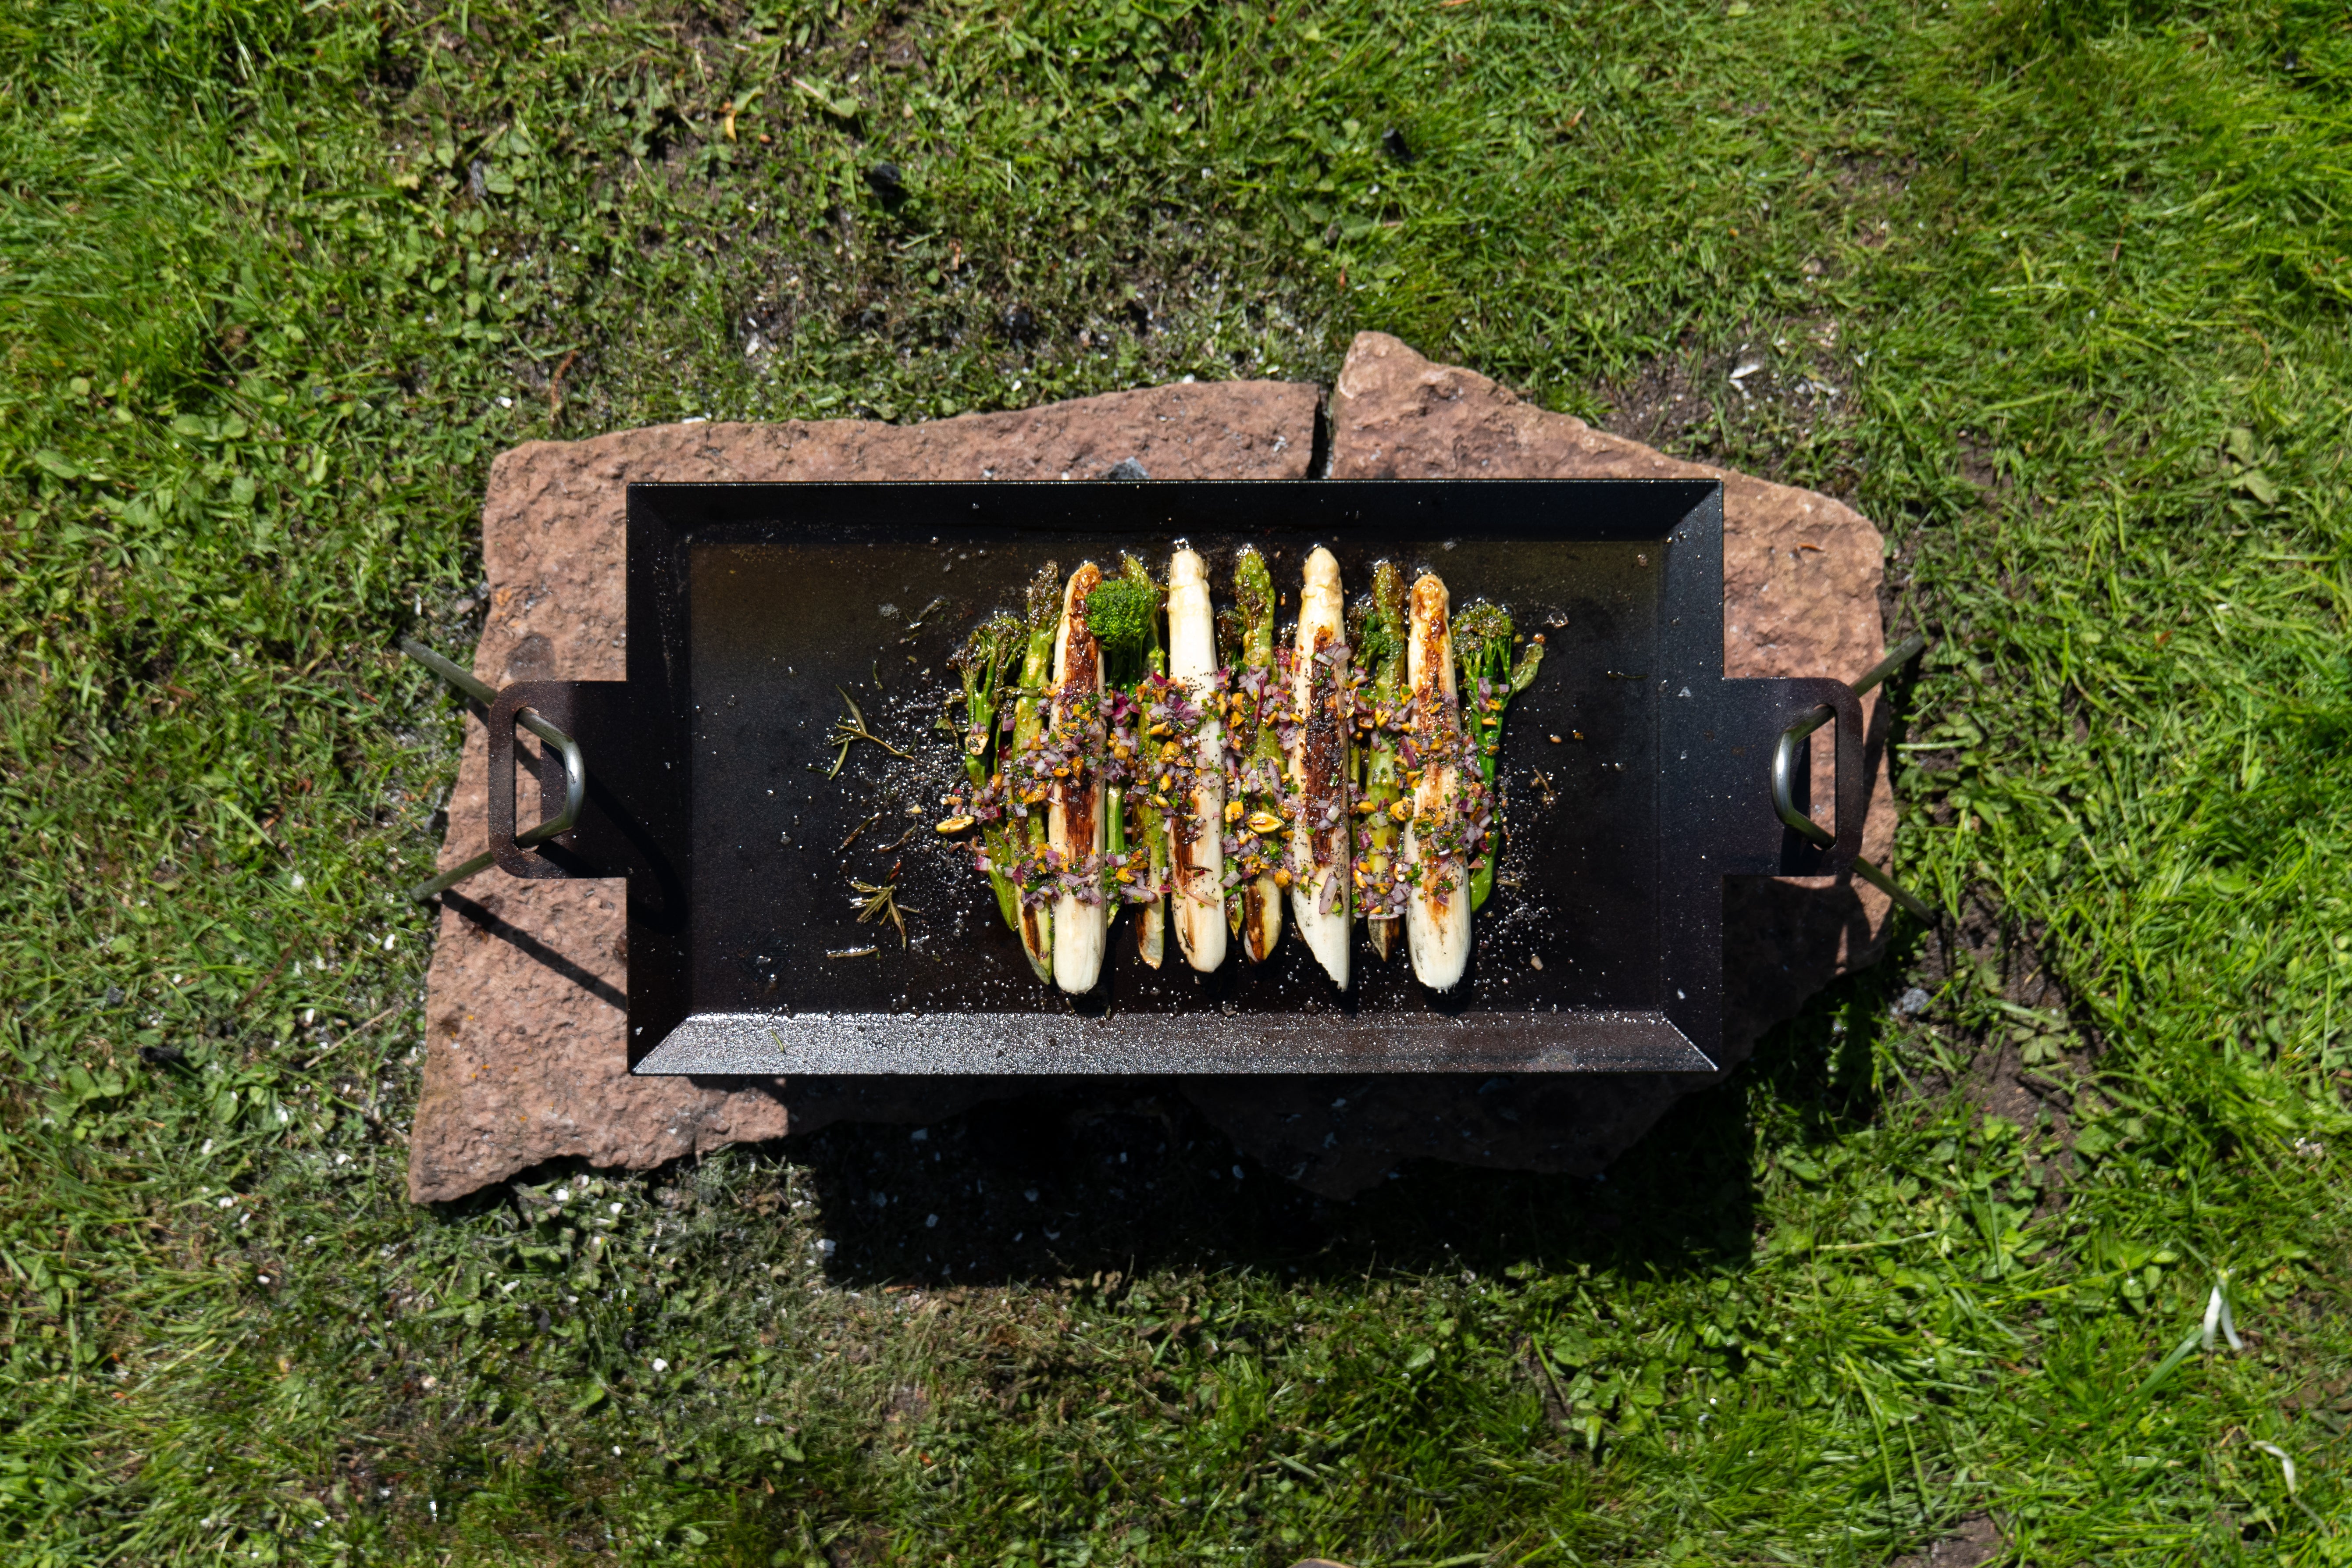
column 879, row 903
column 847, row 733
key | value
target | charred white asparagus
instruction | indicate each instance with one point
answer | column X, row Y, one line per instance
column 1074, row 812
column 1196, row 850
column 1437, row 906
column 1323, row 706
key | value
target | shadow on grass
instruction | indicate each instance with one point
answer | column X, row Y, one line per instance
column 1077, row 1180
column 1066, row 1185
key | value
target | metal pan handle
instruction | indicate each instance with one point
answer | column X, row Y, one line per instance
column 1842, row 848
column 505, row 842
column 508, row 849
column 1833, row 701
column 1787, row 757
column 575, row 783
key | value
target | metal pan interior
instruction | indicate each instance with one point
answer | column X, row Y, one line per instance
column 792, row 605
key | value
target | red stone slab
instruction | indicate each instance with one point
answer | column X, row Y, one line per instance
column 526, row 1058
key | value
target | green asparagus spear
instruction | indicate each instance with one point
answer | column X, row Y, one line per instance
column 1123, row 615
column 1254, row 802
column 1482, row 647
column 1023, row 792
column 1379, row 644
column 982, row 663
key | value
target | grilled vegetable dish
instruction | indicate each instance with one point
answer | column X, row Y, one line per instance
column 1195, row 775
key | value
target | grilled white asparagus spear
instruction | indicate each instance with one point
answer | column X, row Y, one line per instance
column 1074, row 812
column 1324, row 706
column 1437, row 909
column 1196, row 850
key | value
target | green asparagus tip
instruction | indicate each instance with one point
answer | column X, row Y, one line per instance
column 1388, row 593
column 1254, row 585
column 1370, row 643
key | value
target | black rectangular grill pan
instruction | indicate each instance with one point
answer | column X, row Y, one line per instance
column 1637, row 778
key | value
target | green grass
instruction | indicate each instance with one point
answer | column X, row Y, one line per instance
column 276, row 282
